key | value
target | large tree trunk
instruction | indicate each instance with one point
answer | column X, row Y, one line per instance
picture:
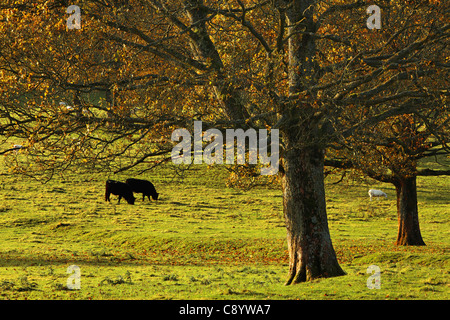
column 311, row 253
column 407, row 212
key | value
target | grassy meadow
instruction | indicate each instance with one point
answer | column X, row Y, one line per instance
column 202, row 240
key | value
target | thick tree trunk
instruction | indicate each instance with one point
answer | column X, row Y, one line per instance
column 311, row 253
column 408, row 214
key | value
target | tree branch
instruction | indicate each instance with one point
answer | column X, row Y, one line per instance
column 430, row 172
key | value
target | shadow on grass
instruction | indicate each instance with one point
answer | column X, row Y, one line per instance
column 27, row 260
column 433, row 196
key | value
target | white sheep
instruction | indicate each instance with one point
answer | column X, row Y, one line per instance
column 376, row 193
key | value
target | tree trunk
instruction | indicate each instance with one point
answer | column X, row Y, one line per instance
column 311, row 253
column 408, row 214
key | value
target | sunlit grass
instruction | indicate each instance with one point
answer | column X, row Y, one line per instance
column 202, row 240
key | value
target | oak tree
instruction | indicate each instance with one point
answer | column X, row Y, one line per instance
column 138, row 69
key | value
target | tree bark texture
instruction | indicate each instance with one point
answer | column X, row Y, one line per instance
column 311, row 253
column 204, row 50
column 407, row 213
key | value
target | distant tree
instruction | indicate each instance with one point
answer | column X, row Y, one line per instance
column 390, row 151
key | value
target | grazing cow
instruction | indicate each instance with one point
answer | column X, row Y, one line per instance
column 143, row 186
column 376, row 193
column 121, row 189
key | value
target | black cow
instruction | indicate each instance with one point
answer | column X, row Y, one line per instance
column 143, row 186
column 121, row 189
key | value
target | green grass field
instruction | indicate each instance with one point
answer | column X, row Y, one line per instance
column 202, row 240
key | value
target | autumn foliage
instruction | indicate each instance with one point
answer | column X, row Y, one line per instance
column 137, row 70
